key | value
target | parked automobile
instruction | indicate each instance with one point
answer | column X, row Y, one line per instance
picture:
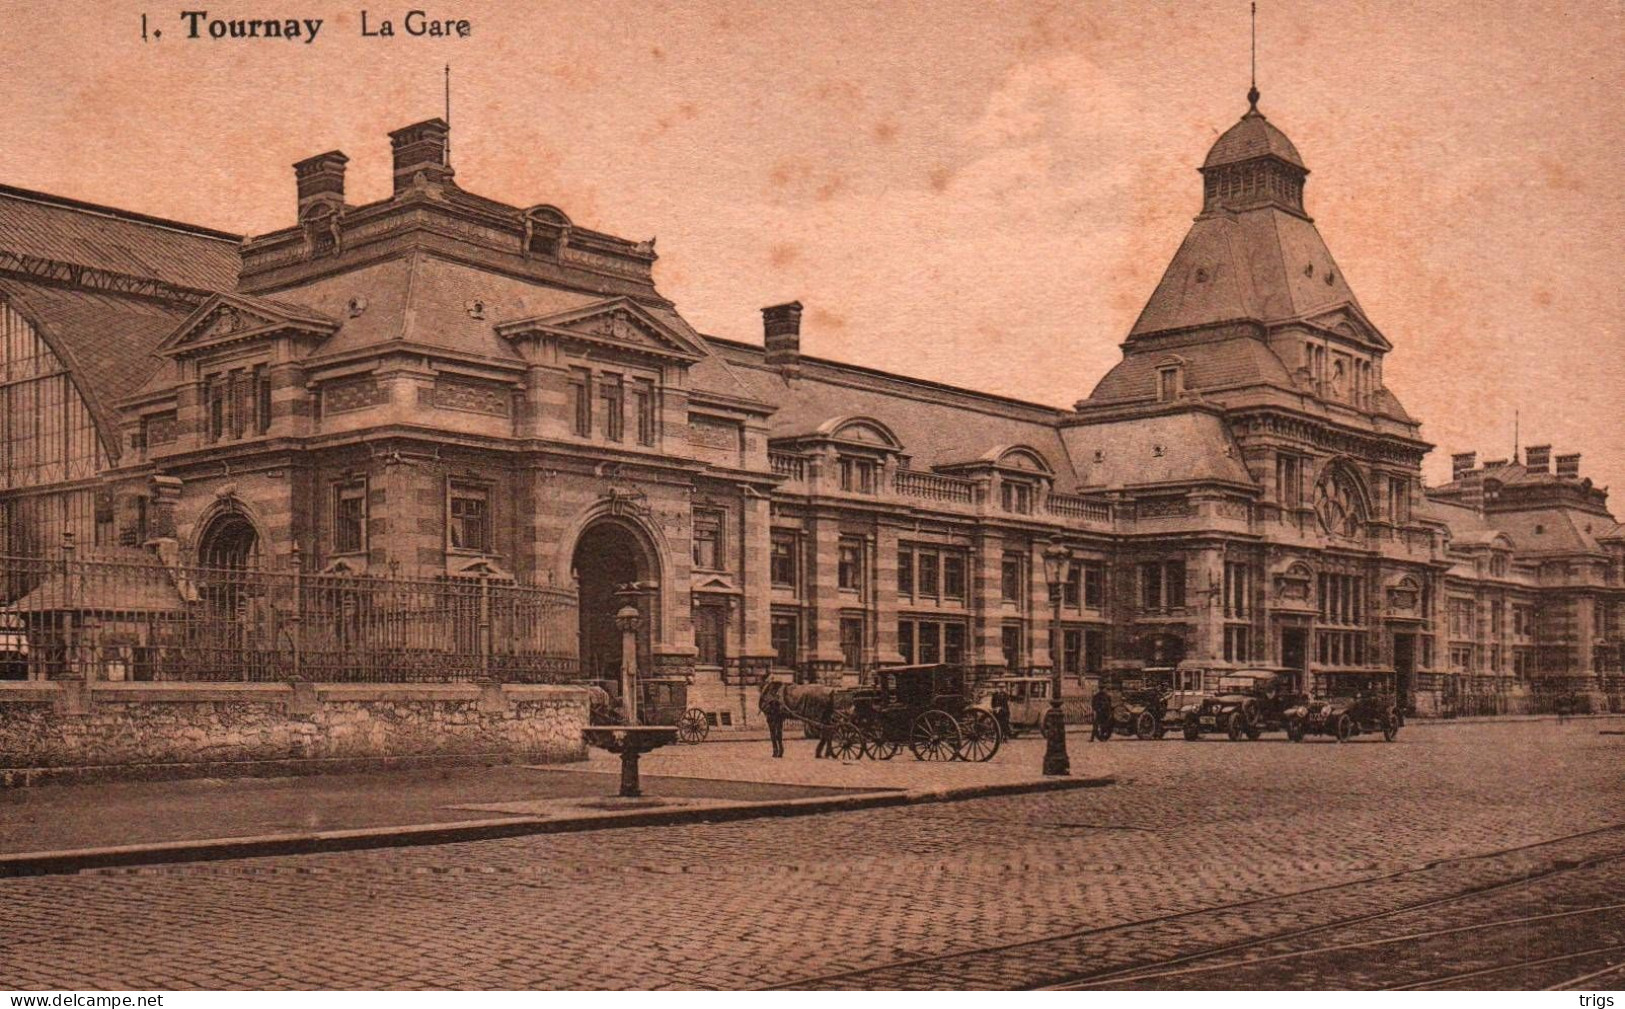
column 1344, row 718
column 1246, row 703
column 1028, row 697
column 1138, row 710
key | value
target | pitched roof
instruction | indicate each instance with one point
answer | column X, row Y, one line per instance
column 1263, row 264
column 1221, row 365
column 1176, row 448
column 937, row 424
column 55, row 228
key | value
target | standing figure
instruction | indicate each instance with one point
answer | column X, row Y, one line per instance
column 1102, row 706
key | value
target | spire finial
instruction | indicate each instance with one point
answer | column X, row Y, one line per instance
column 1252, row 92
column 448, row 115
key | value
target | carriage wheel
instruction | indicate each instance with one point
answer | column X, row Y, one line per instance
column 934, row 736
column 846, row 740
column 692, row 727
column 1145, row 725
column 878, row 746
column 978, row 736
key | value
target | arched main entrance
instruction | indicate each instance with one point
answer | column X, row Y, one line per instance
column 613, row 565
column 229, row 541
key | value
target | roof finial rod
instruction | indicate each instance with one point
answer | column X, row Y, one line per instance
column 448, row 116
column 1517, row 435
column 1252, row 92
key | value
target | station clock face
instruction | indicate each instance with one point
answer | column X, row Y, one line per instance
column 1338, row 505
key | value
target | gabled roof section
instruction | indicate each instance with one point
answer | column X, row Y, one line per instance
column 40, row 229
column 1262, row 265
column 232, row 318
column 615, row 322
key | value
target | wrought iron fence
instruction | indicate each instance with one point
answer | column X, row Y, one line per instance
column 130, row 616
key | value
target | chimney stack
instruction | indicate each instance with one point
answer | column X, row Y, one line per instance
column 1462, row 463
column 1568, row 466
column 781, row 331
column 320, row 179
column 420, row 149
column 1538, row 458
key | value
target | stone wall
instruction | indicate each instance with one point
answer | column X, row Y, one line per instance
column 135, row 727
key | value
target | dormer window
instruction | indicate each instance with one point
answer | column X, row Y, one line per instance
column 1016, row 496
column 1170, row 382
column 858, row 474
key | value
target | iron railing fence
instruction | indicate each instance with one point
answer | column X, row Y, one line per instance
column 134, row 617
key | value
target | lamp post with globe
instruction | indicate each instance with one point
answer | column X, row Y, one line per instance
column 1057, row 569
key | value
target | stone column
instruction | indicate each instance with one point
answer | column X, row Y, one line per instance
column 885, row 597
column 824, row 596
column 755, row 576
column 987, row 608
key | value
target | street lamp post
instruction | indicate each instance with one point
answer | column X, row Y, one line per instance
column 1057, row 566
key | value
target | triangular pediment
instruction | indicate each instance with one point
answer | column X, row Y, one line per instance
column 1349, row 322
column 229, row 318
column 617, row 322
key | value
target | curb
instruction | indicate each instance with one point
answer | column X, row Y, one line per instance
column 47, row 863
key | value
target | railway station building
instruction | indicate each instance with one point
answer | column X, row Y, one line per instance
column 438, row 389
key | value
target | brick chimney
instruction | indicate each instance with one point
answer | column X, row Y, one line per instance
column 1462, row 463
column 781, row 331
column 1538, row 458
column 1568, row 466
column 320, row 179
column 420, row 149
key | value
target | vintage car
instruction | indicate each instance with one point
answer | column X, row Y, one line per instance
column 1344, row 718
column 1247, row 703
column 1138, row 709
column 1027, row 696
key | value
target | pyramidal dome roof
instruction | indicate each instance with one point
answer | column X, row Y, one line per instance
column 1252, row 137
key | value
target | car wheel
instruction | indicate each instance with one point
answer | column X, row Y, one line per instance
column 1235, row 727
column 1345, row 728
column 1145, row 726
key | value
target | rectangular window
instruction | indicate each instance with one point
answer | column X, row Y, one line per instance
column 857, row 475
column 786, row 640
column 1289, row 481
column 1399, row 500
column 643, row 404
column 581, row 401
column 711, row 635
column 237, row 403
column 852, row 642
column 614, row 396
column 928, row 638
column 1011, row 577
column 905, row 640
column 262, row 400
column 1238, row 590
column 953, row 575
column 1072, row 651
column 928, row 583
column 215, row 391
column 1094, row 587
column 1162, row 585
column 849, row 567
column 953, row 644
column 1151, row 586
column 1072, row 588
column 905, row 572
column 1016, row 497
column 708, row 552
column 1010, row 644
column 1237, row 638
column 1094, row 652
column 469, row 526
column 783, row 567
column 350, row 517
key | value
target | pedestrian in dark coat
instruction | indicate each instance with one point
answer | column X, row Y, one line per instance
column 1102, row 705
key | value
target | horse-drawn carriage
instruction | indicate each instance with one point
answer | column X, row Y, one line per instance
column 925, row 708
column 662, row 700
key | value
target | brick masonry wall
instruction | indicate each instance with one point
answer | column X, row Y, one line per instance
column 49, row 725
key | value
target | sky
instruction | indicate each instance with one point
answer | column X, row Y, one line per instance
column 974, row 193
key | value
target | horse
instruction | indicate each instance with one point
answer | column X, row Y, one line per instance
column 813, row 703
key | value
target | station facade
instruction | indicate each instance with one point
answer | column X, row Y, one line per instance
column 438, row 385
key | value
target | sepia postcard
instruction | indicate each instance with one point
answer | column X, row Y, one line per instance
column 897, row 495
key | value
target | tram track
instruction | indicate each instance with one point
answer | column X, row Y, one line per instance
column 1129, row 972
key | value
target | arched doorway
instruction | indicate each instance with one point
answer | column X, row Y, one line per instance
column 229, row 541
column 613, row 565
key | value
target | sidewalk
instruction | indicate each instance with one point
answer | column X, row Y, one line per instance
column 67, row 828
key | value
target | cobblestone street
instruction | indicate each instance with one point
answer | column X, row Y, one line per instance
column 1188, row 827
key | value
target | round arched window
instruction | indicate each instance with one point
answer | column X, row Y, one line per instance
column 1339, row 504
